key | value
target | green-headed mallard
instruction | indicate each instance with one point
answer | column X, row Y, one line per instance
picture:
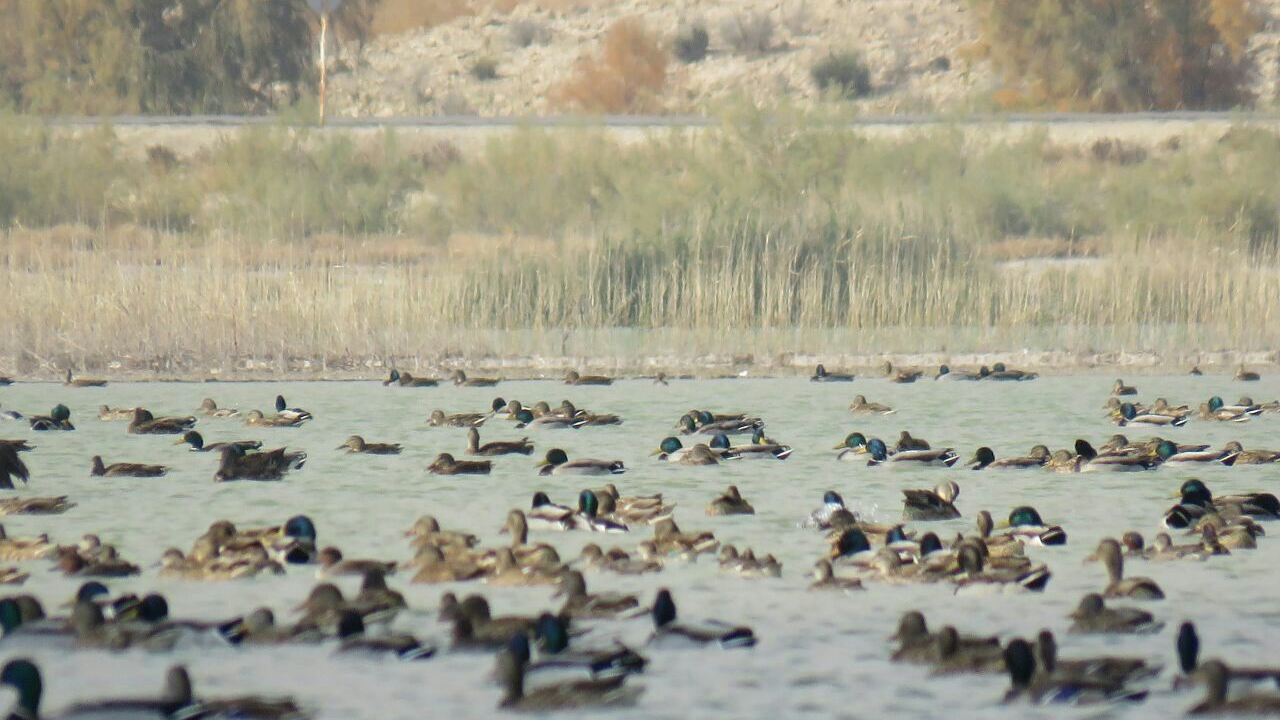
column 512, row 664
column 672, row 450
column 935, row 504
column 125, row 469
column 1129, row 414
column 944, row 457
column 853, row 447
column 175, row 699
column 406, row 380
column 1025, row 526
column 1216, row 409
column 35, row 505
column 820, row 374
column 573, row 378
column 59, row 418
column 824, row 578
column 446, row 464
column 1243, row 375
column 1093, row 616
column 581, row 604
column 760, row 448
column 357, row 444
column 1169, row 454
column 209, row 408
column 666, row 629
column 1197, row 500
column 108, row 413
column 704, row 423
column 238, row 464
column 500, row 447
column 552, row 635
column 984, row 458
column 72, row 381
column 197, row 443
column 860, row 406
column 730, row 503
column 460, row 379
column 1118, row 585
column 1047, row 685
column 557, row 462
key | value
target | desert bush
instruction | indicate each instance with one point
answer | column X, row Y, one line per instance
column 690, row 43
column 627, row 74
column 844, row 73
column 1116, row 55
column 524, row 33
column 485, row 68
column 748, row 33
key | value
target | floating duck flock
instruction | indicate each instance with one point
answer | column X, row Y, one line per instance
column 594, row 555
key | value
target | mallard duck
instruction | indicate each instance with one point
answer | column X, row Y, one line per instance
column 1188, row 648
column 196, row 441
column 546, row 515
column 541, row 554
column 945, row 457
column 5, row 381
column 946, row 373
column 557, row 462
column 209, row 408
column 581, row 604
column 984, row 458
column 820, row 374
column 672, row 450
column 1026, row 526
column 1000, row 372
column 1195, row 371
column 351, row 639
column 1250, row 457
column 899, row 375
column 1119, row 388
column 525, row 418
column 1246, row 401
column 1087, row 459
column 72, row 563
column 824, row 578
column 325, row 605
column 59, row 418
column 975, row 575
column 730, row 503
column 1117, row 584
column 108, row 413
column 907, row 442
column 174, row 700
column 860, row 406
column 238, row 464
column 446, row 464
column 953, row 658
column 1215, row 675
column 552, row 635
column 668, row 538
column 81, row 382
column 1128, row 414
column 406, row 380
column 332, row 564
column 11, row 465
column 1106, row 669
column 632, row 510
column 573, row 378
column 660, row 379
column 1048, row 686
column 433, row 567
column 512, row 664
column 1169, row 453
column 10, row 415
column 439, row 418
column 426, row 531
column 617, row 560
column 1216, row 409
column 35, row 505
column 255, row 418
column 125, row 469
column 1092, row 616
column 761, row 448
column 851, row 545
column 852, row 447
column 23, row 549
column 357, row 444
column 501, row 447
column 507, row 570
column 1243, row 375
column 144, row 423
column 831, row 513
column 460, row 379
column 705, row 424
column 1197, row 500
column 667, row 629
column 935, row 504
column 917, row 645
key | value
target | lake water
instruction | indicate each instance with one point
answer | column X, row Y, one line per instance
column 820, row 655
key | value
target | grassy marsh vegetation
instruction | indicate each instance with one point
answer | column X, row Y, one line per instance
column 759, row 238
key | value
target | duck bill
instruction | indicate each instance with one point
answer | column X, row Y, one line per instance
column 542, row 464
column 180, row 441
column 655, row 451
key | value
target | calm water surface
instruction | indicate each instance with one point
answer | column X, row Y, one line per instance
column 820, row 655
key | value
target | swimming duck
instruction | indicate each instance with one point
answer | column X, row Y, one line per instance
column 1169, row 454
column 617, row 560
column 935, row 504
column 1048, row 686
column 10, row 415
column 557, row 462
column 860, row 406
column 81, row 382
column 852, row 546
column 1000, row 372
column 1246, row 401
column 820, row 374
column 1198, row 500
column 546, row 515
column 907, row 442
column 668, row 538
column 704, row 424
column 209, row 408
column 730, row 503
column 255, row 418
column 237, row 464
column 634, row 509
column 899, row 375
column 666, row 628
column 1128, row 414
column 1107, row 669
column 552, row 636
column 1250, row 457
column 953, row 658
column 426, row 531
column 1087, row 459
column 24, row 677
column 1092, row 616
column 573, row 378
column 72, row 563
column 325, row 605
column 917, row 645
column 439, row 418
column 352, row 639
column 1216, row 409
column 974, row 574
column 22, row 549
column 852, row 447
column 502, row 447
column 761, row 447
column 1215, row 675
column 945, row 457
column 512, row 664
column 588, row 516
column 445, row 464
column 1026, row 526
column 356, row 444
column 125, row 469
column 295, row 413
column 831, row 513
column 333, row 564
column 824, row 578
column 507, row 570
column 1188, row 648
column 1195, row 371
column 108, row 413
column 660, row 379
column 406, row 380
column 525, row 418
column 984, row 458
column 11, row 465
column 946, row 373
column 460, row 379
column 1119, row 388
column 59, row 418
column 581, row 604
column 1117, row 584
column 433, row 567
column 672, row 450
column 35, row 505
column 196, row 441
column 1243, row 375
column 527, row 555
column 144, row 423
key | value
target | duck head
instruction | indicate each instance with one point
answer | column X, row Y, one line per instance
column 1188, row 645
column 720, row 442
column 551, row 633
column 853, row 441
column 851, row 542
column 1025, row 516
column 22, row 675
column 982, row 458
column 878, row 450
column 668, row 446
column 664, row 608
column 554, row 457
column 588, row 503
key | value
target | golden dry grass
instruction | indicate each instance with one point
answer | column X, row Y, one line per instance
column 626, row 75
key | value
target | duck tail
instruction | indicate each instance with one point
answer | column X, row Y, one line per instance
column 1053, row 536
column 784, row 452
column 1179, row 421
column 1229, row 459
column 950, row 458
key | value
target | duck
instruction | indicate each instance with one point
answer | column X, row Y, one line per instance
column 11, row 464
column 433, row 567
column 1187, row 645
column 255, row 418
column 238, row 464
column 357, row 444
column 617, row 560
column 672, row 450
column 440, row 418
column 23, row 549
column 507, row 570
column 824, row 578
column 557, row 462
column 1169, row 454
column 445, row 464
column 197, row 444
column 831, row 513
column 517, row 526
column 852, row 546
column 944, row 457
column 546, row 515
column 460, row 379
column 761, row 447
column 1093, row 616
column 974, row 574
column 1243, row 375
column 668, row 538
column 953, row 658
column 661, row 379
column 704, row 423
column 581, row 604
column 35, row 505
column 1000, row 372
column 10, row 414
column 589, row 517
column 426, row 531
column 525, row 418
column 1216, row 409
column 126, row 469
column 917, row 645
column 72, row 381
column 144, row 423
column 860, row 406
column 632, row 510
column 1026, row 526
column 667, row 629
column 503, row 447
column 1087, row 459
column 935, row 504
column 1108, row 669
column 209, row 408
column 59, row 418
column 1197, row 500
column 1128, row 414
column 552, row 636
column 898, row 375
column 352, row 639
column 333, row 564
column 1250, row 457
column 24, row 677
column 1119, row 388
column 852, row 447
column 1216, row 675
column 730, row 503
column 395, row 377
column 1195, row 371
column 946, row 373
column 512, row 665
column 573, row 378
column 72, row 563
column 108, row 413
column 985, row 458
column 1048, row 686
column 820, row 374
column 1118, row 585
column 1246, row 401
column 907, row 442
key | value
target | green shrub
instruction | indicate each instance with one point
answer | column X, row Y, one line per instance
column 690, row 44
column 486, row 68
column 844, row 73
